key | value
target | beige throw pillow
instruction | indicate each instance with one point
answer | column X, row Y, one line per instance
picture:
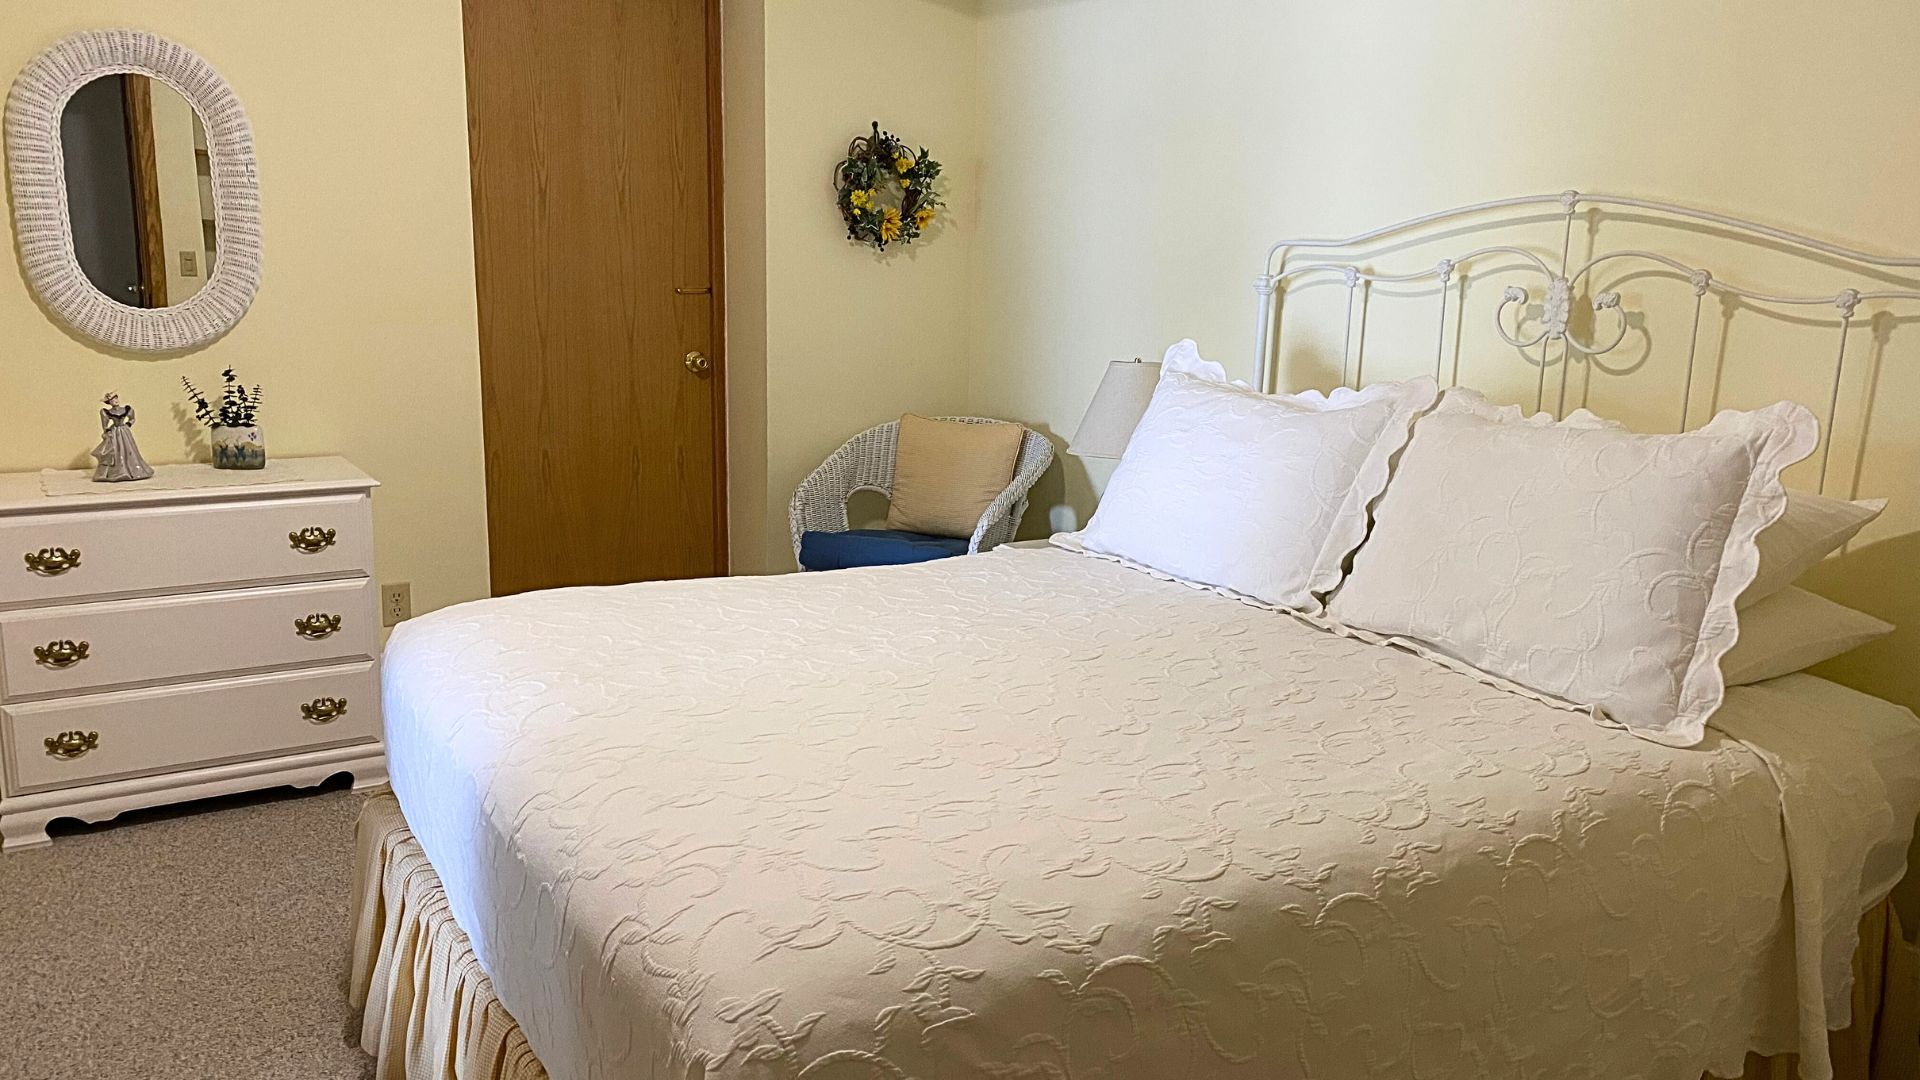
column 946, row 473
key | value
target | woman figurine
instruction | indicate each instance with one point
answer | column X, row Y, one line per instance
column 119, row 458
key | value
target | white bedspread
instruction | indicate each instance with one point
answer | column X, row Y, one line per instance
column 1034, row 814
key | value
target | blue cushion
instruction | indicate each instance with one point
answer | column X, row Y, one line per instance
column 874, row 547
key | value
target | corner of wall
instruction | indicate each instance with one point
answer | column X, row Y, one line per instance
column 743, row 96
column 824, row 338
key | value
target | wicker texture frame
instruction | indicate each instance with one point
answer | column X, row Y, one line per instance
column 865, row 463
column 36, row 165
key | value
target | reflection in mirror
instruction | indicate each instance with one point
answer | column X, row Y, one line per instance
column 139, row 190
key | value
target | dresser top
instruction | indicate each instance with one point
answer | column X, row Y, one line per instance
column 48, row 490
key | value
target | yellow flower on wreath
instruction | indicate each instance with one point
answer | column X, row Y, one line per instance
column 903, row 164
column 923, row 217
column 889, row 224
column 861, row 199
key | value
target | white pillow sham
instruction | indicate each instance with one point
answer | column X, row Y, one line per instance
column 1792, row 630
column 1575, row 558
column 1263, row 495
column 1813, row 528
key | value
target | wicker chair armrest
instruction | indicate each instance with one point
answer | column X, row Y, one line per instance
column 1002, row 517
column 866, row 463
column 863, row 463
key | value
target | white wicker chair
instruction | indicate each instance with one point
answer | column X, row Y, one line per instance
column 865, row 463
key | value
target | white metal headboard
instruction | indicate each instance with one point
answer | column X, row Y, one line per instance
column 1294, row 261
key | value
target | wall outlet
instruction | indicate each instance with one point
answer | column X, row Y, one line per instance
column 396, row 603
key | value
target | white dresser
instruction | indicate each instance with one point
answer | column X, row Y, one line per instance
column 198, row 634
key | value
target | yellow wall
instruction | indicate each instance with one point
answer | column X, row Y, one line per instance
column 845, row 338
column 1143, row 154
column 364, row 331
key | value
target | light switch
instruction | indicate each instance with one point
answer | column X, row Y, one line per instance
column 189, row 264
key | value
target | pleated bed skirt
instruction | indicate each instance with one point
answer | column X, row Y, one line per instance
column 431, row 1014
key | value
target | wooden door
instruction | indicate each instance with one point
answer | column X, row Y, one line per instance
column 594, row 135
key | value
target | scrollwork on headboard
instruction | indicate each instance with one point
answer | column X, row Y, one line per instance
column 1538, row 319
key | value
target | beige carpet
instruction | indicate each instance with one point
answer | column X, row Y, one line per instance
column 203, row 945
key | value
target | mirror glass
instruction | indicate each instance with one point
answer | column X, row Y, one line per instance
column 139, row 190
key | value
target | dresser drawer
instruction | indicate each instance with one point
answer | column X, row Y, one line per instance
column 182, row 637
column 133, row 732
column 148, row 549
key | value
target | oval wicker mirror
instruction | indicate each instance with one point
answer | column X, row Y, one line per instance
column 135, row 195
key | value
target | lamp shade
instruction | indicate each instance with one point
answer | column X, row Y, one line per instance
column 1116, row 410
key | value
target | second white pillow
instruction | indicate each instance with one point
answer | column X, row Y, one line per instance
column 1576, row 558
column 1264, row 495
column 1792, row 630
column 1813, row 528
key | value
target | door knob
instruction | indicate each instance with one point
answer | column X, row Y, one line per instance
column 698, row 363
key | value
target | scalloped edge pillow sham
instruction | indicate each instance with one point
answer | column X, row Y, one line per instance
column 1264, row 495
column 1576, row 558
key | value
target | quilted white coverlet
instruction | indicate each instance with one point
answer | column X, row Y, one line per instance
column 1035, row 814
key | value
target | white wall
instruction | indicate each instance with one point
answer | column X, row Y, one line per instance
column 1118, row 168
column 1141, row 155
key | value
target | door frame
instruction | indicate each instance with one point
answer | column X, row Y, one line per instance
column 717, row 274
column 136, row 95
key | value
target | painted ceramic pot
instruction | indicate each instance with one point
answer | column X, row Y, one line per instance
column 239, row 448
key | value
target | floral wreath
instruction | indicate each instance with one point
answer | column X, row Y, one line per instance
column 880, row 165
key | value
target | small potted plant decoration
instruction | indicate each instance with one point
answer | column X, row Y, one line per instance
column 236, row 438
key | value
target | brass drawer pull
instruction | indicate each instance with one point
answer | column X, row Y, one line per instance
column 72, row 744
column 52, row 562
column 312, row 540
column 317, row 625
column 60, row 654
column 324, row 710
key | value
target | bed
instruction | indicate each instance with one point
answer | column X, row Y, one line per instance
column 1037, row 813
